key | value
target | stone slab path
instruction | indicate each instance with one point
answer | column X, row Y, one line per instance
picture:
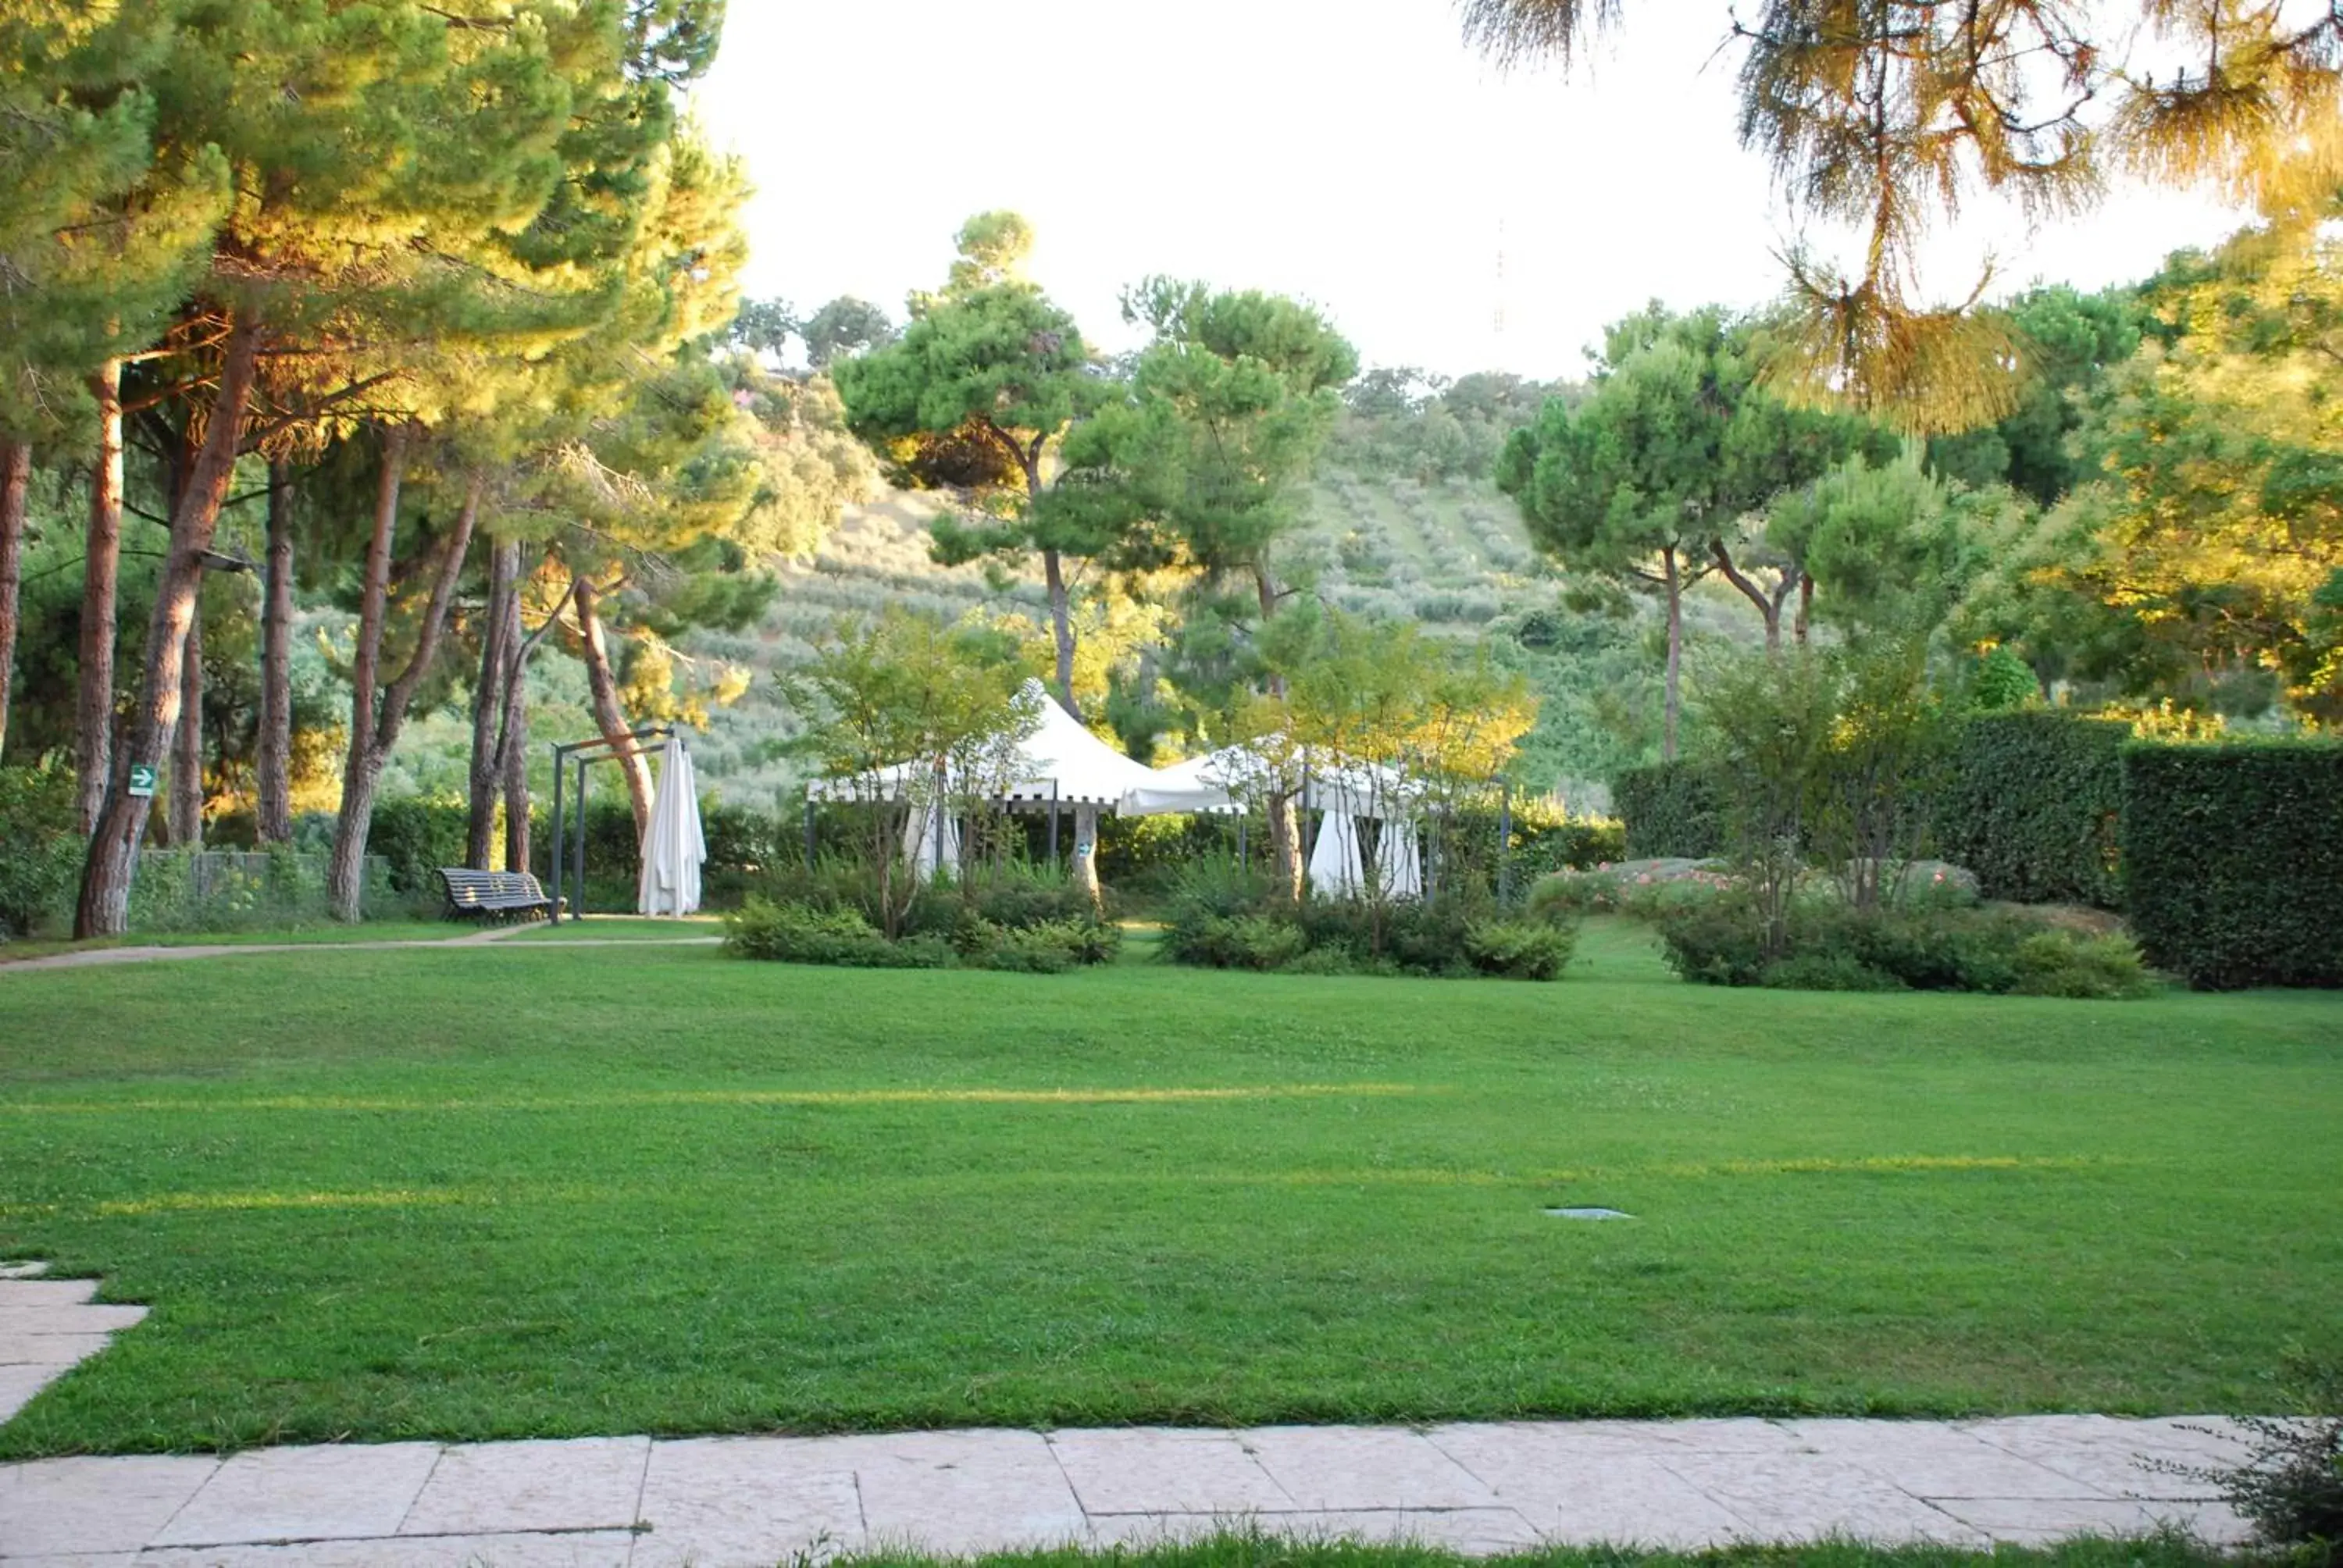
column 94, row 958
column 715, row 1502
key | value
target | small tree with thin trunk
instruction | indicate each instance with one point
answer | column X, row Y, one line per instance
column 905, row 716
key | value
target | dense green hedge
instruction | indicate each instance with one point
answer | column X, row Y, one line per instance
column 1671, row 808
column 2233, row 861
column 2030, row 802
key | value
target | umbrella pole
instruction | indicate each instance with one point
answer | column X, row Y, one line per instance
column 808, row 833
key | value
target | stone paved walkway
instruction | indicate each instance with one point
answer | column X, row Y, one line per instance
column 640, row 1502
column 92, row 958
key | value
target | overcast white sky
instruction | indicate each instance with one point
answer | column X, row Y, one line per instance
column 1356, row 155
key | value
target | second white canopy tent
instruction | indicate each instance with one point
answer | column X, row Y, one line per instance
column 1219, row 781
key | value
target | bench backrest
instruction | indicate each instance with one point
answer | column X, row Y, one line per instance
column 470, row 887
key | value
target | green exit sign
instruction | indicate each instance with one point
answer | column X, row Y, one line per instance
column 142, row 778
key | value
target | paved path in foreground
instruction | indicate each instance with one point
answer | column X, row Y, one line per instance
column 90, row 957
column 713, row 1503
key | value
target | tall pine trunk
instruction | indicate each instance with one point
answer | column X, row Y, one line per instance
column 185, row 823
column 101, row 565
column 602, row 685
column 1061, row 627
column 274, row 784
column 513, row 757
column 497, row 654
column 377, row 714
column 1674, row 704
column 104, row 908
column 15, row 481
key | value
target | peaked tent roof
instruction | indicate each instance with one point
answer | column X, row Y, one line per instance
column 1060, row 760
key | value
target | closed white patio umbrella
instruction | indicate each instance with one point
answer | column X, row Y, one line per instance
column 675, row 849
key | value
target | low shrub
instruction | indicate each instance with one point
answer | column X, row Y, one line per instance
column 1239, row 941
column 1045, row 947
column 1531, row 950
column 1827, row 946
column 1227, row 923
column 797, row 933
column 2290, row 1486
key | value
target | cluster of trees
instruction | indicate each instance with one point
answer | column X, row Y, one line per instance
column 444, row 295
column 2158, row 521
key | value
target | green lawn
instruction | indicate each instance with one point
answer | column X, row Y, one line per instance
column 519, row 1190
column 364, row 932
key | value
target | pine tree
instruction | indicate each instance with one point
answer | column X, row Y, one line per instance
column 974, row 395
column 355, row 229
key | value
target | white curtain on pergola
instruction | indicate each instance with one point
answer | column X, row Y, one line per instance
column 675, row 849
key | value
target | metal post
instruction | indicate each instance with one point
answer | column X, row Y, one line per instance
column 1244, row 861
column 578, row 863
column 555, row 844
column 1053, row 824
column 808, row 833
column 1505, row 841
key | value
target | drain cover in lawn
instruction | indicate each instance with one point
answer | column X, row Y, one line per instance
column 1589, row 1213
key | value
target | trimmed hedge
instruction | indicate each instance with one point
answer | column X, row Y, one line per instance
column 2030, row 801
column 1670, row 809
column 2233, row 861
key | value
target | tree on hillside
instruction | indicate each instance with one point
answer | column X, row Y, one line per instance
column 975, row 394
column 1203, row 458
column 845, row 326
column 1654, row 477
column 1886, row 116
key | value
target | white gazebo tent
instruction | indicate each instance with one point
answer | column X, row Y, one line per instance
column 1060, row 764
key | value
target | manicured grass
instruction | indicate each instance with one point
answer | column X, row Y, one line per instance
column 517, row 1190
column 332, row 934
column 627, row 928
column 1263, row 1551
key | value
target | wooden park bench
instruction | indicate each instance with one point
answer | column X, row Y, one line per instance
column 494, row 894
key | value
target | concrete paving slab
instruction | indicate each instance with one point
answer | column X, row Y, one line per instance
column 54, row 1351
column 18, row 1385
column 1931, row 1460
column 93, row 1505
column 1807, row 1496
column 1344, row 1468
column 312, row 1494
column 60, row 1318
column 958, row 1492
column 34, row 1292
column 2038, row 1521
column 718, row 1501
column 1589, row 1486
column 1478, row 1532
column 1713, row 1435
column 583, row 1483
column 582, row 1549
column 2116, row 1457
column 24, row 1268
column 1161, row 1470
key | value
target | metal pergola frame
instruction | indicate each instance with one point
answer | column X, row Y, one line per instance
column 584, row 754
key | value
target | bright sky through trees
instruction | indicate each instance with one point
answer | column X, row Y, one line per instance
column 1361, row 156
